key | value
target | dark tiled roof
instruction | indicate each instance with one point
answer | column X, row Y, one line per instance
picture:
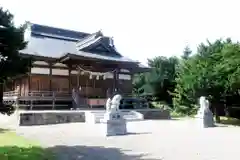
column 36, row 28
column 49, row 47
column 55, row 42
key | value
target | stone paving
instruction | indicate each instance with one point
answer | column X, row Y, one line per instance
column 148, row 140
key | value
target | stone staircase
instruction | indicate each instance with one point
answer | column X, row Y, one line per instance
column 95, row 116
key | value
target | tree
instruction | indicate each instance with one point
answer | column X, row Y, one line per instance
column 160, row 82
column 139, row 82
column 212, row 72
column 186, row 52
column 11, row 42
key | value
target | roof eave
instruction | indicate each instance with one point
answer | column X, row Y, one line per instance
column 141, row 70
column 37, row 57
column 69, row 56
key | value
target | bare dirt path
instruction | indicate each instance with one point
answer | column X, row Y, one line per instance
column 149, row 140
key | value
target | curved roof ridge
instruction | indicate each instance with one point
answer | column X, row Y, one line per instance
column 55, row 31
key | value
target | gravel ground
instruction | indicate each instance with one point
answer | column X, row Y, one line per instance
column 148, row 140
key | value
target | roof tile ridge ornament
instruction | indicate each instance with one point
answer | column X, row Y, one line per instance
column 89, row 38
column 29, row 23
column 99, row 33
column 112, row 45
column 80, row 47
column 111, row 42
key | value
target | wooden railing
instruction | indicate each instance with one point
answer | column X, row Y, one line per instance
column 37, row 98
column 48, row 94
column 10, row 94
column 37, row 94
column 49, row 98
column 51, row 95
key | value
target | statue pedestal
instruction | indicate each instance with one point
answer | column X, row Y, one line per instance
column 205, row 119
column 113, row 124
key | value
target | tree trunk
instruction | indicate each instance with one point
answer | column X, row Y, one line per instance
column 1, row 93
column 226, row 110
column 1, row 99
column 4, row 108
column 215, row 112
column 217, row 117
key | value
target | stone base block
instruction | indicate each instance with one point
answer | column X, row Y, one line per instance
column 205, row 122
column 114, row 127
column 29, row 118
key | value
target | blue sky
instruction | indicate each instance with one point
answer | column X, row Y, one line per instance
column 141, row 28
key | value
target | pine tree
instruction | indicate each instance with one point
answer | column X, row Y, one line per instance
column 11, row 42
column 186, row 52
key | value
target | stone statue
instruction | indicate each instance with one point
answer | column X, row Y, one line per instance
column 113, row 122
column 75, row 97
column 204, row 106
column 112, row 105
column 116, row 102
column 204, row 114
column 17, row 89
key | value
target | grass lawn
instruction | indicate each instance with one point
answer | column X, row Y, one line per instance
column 14, row 147
column 230, row 121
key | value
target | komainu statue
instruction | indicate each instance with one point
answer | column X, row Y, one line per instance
column 113, row 122
column 115, row 103
column 204, row 106
column 204, row 114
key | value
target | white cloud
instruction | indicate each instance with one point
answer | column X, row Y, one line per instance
column 141, row 28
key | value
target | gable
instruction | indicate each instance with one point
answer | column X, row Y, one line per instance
column 103, row 50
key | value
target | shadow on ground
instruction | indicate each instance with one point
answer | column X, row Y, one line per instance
column 68, row 153
column 95, row 152
column 137, row 133
column 3, row 130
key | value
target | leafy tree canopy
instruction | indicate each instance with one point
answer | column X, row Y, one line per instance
column 160, row 82
column 212, row 72
column 11, row 42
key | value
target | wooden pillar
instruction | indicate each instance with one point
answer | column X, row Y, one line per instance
column 31, row 101
column 50, row 76
column 20, row 85
column 86, row 92
column 24, row 84
column 53, row 100
column 78, row 75
column 29, row 82
column 115, row 80
column 29, row 79
column 69, row 79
